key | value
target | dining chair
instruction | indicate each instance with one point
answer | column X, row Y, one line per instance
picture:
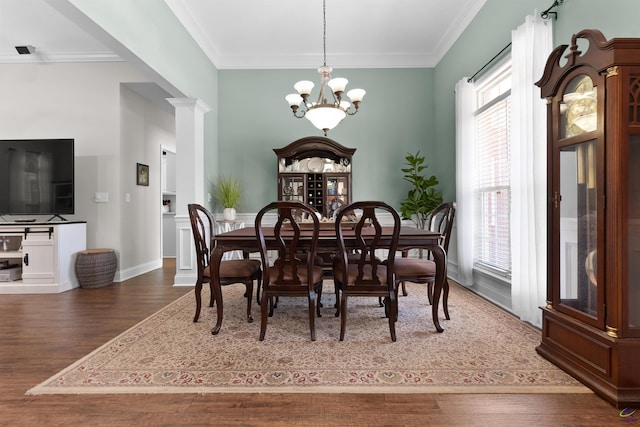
column 368, row 272
column 300, row 217
column 231, row 271
column 294, row 272
column 423, row 270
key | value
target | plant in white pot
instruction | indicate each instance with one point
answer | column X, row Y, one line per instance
column 227, row 193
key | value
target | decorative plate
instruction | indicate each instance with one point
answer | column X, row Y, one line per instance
column 287, row 190
column 344, row 161
column 315, row 164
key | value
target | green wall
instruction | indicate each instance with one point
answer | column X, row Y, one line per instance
column 395, row 118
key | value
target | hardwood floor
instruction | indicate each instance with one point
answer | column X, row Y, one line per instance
column 42, row 334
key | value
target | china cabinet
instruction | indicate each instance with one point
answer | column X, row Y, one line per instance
column 591, row 321
column 315, row 171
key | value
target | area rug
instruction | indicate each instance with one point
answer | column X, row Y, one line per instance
column 482, row 350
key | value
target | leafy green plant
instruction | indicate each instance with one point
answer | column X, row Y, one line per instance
column 227, row 191
column 423, row 198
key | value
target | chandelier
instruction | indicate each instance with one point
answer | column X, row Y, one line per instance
column 325, row 114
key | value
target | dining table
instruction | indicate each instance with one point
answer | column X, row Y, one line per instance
column 244, row 239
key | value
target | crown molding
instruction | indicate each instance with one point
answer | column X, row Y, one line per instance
column 40, row 57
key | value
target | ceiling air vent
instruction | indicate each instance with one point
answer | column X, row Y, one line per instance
column 25, row 50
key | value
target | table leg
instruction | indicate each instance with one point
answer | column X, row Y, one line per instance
column 216, row 259
column 440, row 258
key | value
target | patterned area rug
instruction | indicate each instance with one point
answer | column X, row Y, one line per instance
column 482, row 350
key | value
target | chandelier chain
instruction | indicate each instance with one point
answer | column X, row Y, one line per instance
column 324, row 31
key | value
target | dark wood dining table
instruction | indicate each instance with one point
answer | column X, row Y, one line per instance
column 245, row 239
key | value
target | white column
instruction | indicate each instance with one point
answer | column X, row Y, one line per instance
column 189, row 181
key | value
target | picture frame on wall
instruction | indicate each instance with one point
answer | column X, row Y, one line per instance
column 142, row 174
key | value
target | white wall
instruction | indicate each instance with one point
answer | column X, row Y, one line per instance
column 113, row 129
column 145, row 128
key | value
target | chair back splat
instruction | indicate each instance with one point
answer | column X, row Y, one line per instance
column 294, row 272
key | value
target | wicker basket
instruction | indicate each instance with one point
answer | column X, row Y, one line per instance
column 96, row 268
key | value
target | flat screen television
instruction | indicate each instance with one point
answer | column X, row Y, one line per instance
column 37, row 177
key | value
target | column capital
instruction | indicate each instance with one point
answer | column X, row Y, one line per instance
column 195, row 103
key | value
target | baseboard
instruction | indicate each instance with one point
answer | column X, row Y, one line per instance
column 126, row 274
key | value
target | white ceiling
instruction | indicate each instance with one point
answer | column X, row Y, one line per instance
column 238, row 34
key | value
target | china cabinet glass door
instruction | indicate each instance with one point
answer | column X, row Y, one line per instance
column 292, row 187
column 337, row 193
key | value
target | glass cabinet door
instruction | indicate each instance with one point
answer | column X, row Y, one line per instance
column 337, row 193
column 633, row 236
column 578, row 228
column 292, row 187
column 577, row 199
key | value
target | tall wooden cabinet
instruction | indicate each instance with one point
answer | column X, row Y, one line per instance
column 316, row 171
column 591, row 322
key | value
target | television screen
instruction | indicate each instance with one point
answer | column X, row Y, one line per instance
column 36, row 177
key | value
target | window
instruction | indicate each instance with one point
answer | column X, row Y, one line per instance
column 492, row 190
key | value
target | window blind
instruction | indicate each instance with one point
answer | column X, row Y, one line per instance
column 493, row 194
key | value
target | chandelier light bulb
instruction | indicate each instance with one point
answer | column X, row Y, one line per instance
column 356, row 95
column 304, row 87
column 338, row 84
column 293, row 99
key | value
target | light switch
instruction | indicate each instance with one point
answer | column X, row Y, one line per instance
column 127, row 197
column 102, row 197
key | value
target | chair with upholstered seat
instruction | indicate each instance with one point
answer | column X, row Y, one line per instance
column 231, row 271
column 300, row 217
column 294, row 272
column 423, row 270
column 366, row 272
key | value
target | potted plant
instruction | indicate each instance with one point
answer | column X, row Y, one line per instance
column 227, row 193
column 423, row 197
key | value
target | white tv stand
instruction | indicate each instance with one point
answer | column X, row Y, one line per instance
column 47, row 252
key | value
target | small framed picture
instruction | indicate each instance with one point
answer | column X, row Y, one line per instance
column 142, row 174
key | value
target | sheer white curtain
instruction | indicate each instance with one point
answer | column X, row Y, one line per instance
column 465, row 178
column 531, row 44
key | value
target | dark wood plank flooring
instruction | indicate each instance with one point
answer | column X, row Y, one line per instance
column 42, row 334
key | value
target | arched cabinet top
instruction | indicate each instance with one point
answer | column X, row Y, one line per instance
column 314, row 146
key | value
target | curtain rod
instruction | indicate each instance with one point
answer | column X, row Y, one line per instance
column 546, row 13
column 489, row 62
column 543, row 15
